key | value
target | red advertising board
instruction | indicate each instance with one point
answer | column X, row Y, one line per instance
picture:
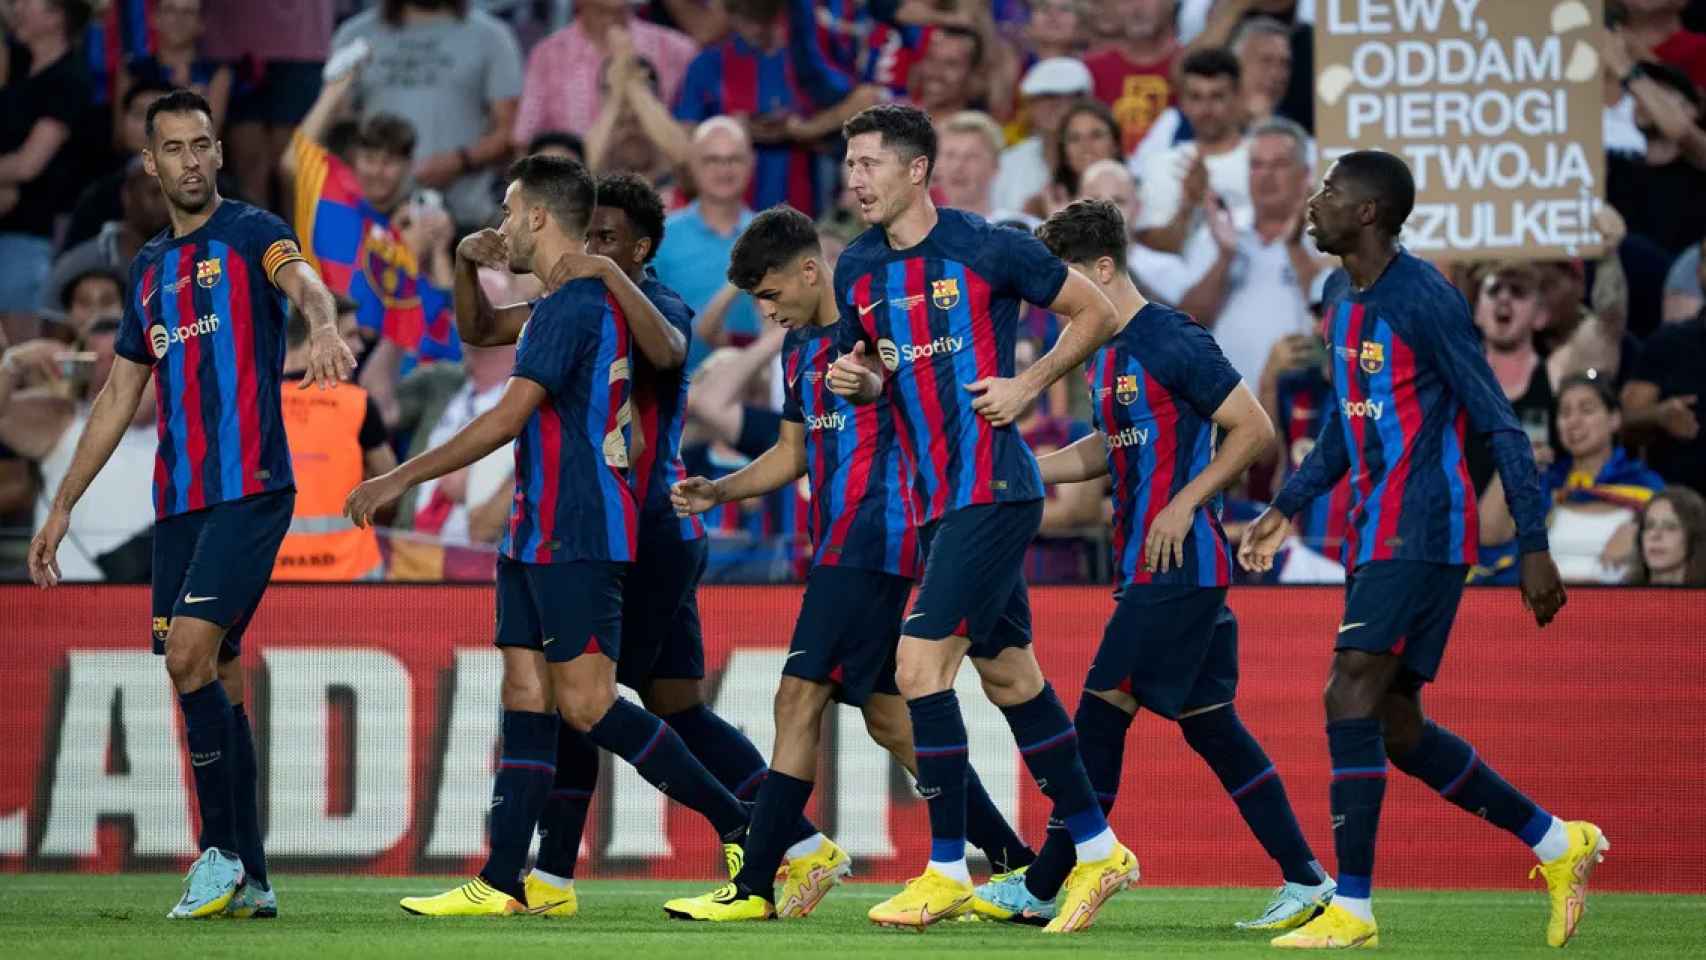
column 377, row 714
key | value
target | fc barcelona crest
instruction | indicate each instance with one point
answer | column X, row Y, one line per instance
column 945, row 294
column 1125, row 388
column 1373, row 356
column 207, row 273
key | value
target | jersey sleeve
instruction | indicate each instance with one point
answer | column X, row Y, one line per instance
column 274, row 243
column 132, row 343
column 852, row 330
column 823, row 81
column 1026, row 266
column 792, row 364
column 550, row 341
column 1205, row 376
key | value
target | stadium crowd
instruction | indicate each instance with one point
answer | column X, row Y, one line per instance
column 379, row 130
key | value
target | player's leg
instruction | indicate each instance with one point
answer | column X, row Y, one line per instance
column 562, row 823
column 191, row 646
column 255, row 898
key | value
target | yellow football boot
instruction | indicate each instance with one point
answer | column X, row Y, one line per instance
column 1335, row 929
column 807, row 880
column 1567, row 879
column 734, row 857
column 1089, row 885
column 476, row 898
column 926, row 899
column 546, row 899
column 726, row 904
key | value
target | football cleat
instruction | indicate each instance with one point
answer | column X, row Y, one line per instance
column 1089, row 885
column 546, row 899
column 807, row 880
column 209, row 885
column 726, row 904
column 1567, row 879
column 926, row 899
column 253, row 902
column 734, row 857
column 1335, row 929
column 476, row 898
column 1293, row 905
column 1005, row 897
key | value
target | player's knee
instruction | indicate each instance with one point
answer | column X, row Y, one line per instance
column 188, row 668
column 1207, row 731
column 920, row 676
column 666, row 697
column 797, row 704
column 1401, row 725
column 582, row 705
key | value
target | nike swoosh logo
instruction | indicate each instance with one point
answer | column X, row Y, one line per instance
column 867, row 309
column 148, row 295
column 203, row 763
column 1352, row 626
column 792, row 654
column 192, row 598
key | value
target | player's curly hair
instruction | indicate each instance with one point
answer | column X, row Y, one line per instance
column 561, row 184
column 773, row 240
column 905, row 130
column 1084, row 231
column 632, row 195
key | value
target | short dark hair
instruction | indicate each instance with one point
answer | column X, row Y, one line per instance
column 964, row 33
column 178, row 101
column 635, row 197
column 387, row 133
column 1212, row 62
column 558, row 138
column 561, row 184
column 391, row 11
column 773, row 239
column 905, row 130
column 1592, row 380
column 1084, row 231
column 1666, row 75
column 1388, row 181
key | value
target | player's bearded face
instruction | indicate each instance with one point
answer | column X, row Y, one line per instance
column 185, row 158
column 880, row 181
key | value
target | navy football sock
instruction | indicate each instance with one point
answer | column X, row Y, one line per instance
column 730, row 757
column 1049, row 746
column 1221, row 739
column 781, row 804
column 1101, row 730
column 989, row 831
column 563, row 821
column 1359, row 786
column 656, row 751
column 939, row 738
column 207, row 728
column 244, row 791
column 527, row 761
column 1442, row 760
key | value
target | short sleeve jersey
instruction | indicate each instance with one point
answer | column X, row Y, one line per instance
column 1154, row 389
column 204, row 311
column 940, row 315
column 572, row 499
column 863, row 512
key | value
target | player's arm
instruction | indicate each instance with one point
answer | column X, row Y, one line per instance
column 1085, row 459
column 479, row 322
column 1246, row 434
column 662, row 344
column 1090, row 322
column 329, row 358
column 113, row 410
column 775, row 468
column 485, row 433
column 1320, row 470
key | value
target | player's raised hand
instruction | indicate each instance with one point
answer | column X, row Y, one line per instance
column 1164, row 548
column 1262, row 539
column 44, row 548
column 1000, row 400
column 856, row 375
column 693, row 495
column 486, row 248
column 330, row 361
column 1542, row 588
column 371, row 495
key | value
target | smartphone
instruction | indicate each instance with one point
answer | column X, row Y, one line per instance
column 76, row 365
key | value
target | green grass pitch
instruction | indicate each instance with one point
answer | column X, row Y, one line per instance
column 122, row 917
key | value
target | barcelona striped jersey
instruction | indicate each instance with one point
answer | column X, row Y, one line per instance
column 1154, row 389
column 204, row 311
column 1302, row 398
column 572, row 498
column 1409, row 381
column 863, row 513
column 940, row 315
column 660, row 405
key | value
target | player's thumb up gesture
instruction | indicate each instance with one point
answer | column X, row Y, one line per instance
column 855, row 375
column 1262, row 540
column 693, row 495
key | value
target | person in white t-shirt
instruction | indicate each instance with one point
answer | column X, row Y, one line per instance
column 1174, row 181
column 1048, row 89
column 1251, row 285
column 967, row 152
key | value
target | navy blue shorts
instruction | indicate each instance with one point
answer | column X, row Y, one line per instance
column 1403, row 608
column 1173, row 648
column 974, row 577
column 848, row 631
column 561, row 609
column 213, row 564
column 661, row 638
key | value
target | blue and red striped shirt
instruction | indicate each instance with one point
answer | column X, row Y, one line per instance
column 572, row 498
column 1409, row 379
column 1154, row 389
column 203, row 311
column 1303, row 398
column 863, row 512
column 660, row 406
column 940, row 315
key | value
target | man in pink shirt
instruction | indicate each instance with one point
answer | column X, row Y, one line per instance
column 560, row 90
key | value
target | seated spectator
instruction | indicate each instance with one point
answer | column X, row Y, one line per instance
column 967, row 156
column 1670, row 542
column 1508, row 310
column 1087, row 134
column 46, row 391
column 455, row 75
column 43, row 98
column 142, row 214
column 1595, row 488
column 1174, row 181
column 1048, row 90
column 697, row 239
column 177, row 62
column 1662, row 194
column 1659, row 402
column 1132, row 59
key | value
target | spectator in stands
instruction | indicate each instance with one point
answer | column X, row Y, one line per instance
column 1048, row 90
column 1175, row 181
column 1662, row 194
column 143, row 214
column 1220, row 28
column 455, row 75
column 1055, row 29
column 101, row 201
column 1582, row 332
column 697, row 239
column 731, row 402
column 562, row 90
column 1660, row 397
column 1088, row 133
column 1595, row 488
column 1655, row 28
column 634, row 132
column 280, row 49
column 944, row 81
column 1508, row 311
column 1110, row 180
column 1670, row 544
column 89, row 292
column 1133, row 69
column 1251, row 285
column 968, row 153
column 1684, row 295
column 43, row 98
column 177, row 62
